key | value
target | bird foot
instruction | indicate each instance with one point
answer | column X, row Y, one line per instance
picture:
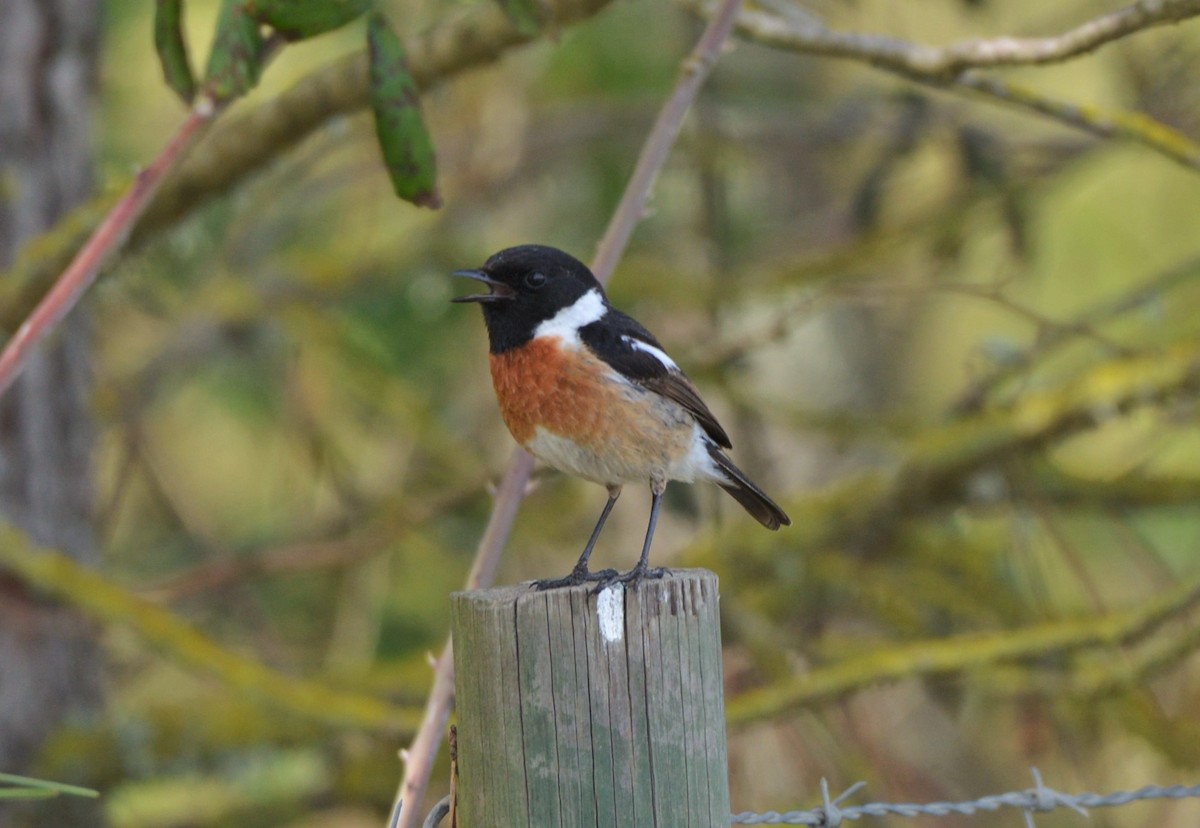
column 629, row 579
column 578, row 576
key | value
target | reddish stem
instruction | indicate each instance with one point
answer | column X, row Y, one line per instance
column 419, row 758
column 107, row 238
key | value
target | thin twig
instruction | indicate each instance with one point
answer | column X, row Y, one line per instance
column 696, row 67
column 662, row 136
column 1051, row 339
column 394, row 521
column 1131, row 126
column 1040, row 644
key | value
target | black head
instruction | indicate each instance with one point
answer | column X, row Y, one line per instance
column 528, row 285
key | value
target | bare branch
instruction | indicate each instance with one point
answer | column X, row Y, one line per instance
column 955, row 65
column 945, row 63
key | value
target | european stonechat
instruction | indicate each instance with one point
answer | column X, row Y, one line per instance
column 587, row 390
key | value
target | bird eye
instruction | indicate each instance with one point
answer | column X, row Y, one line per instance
column 535, row 280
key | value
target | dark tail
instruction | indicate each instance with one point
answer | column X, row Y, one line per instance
column 753, row 499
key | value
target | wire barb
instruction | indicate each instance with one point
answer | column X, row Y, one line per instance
column 833, row 816
column 1038, row 799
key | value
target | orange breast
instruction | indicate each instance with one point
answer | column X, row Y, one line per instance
column 542, row 384
column 617, row 431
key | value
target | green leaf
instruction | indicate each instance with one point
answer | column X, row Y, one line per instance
column 407, row 147
column 26, row 793
column 235, row 62
column 172, row 48
column 299, row 19
column 37, row 788
column 525, row 15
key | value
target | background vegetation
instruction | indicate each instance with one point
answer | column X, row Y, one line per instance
column 958, row 340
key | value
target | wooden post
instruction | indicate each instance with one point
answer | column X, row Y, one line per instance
column 591, row 710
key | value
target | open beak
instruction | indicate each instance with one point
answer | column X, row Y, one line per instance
column 498, row 292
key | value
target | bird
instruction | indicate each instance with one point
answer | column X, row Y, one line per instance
column 588, row 391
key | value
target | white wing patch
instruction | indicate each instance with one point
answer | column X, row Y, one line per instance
column 657, row 353
column 566, row 323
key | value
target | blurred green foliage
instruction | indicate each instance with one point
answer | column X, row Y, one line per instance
column 872, row 283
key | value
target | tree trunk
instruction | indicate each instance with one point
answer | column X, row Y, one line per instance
column 49, row 660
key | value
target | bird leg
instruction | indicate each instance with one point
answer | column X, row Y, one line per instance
column 580, row 573
column 642, row 570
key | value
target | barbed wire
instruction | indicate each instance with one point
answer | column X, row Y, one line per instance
column 1038, row 799
column 830, row 814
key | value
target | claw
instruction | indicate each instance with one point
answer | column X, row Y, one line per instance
column 630, row 579
column 577, row 577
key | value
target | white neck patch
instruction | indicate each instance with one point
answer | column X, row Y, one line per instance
column 566, row 323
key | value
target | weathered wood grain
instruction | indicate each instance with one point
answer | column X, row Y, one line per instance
column 584, row 711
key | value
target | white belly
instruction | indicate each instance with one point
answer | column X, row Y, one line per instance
column 684, row 458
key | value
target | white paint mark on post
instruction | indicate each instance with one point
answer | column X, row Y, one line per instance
column 610, row 613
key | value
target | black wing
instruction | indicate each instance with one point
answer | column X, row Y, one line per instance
column 615, row 340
